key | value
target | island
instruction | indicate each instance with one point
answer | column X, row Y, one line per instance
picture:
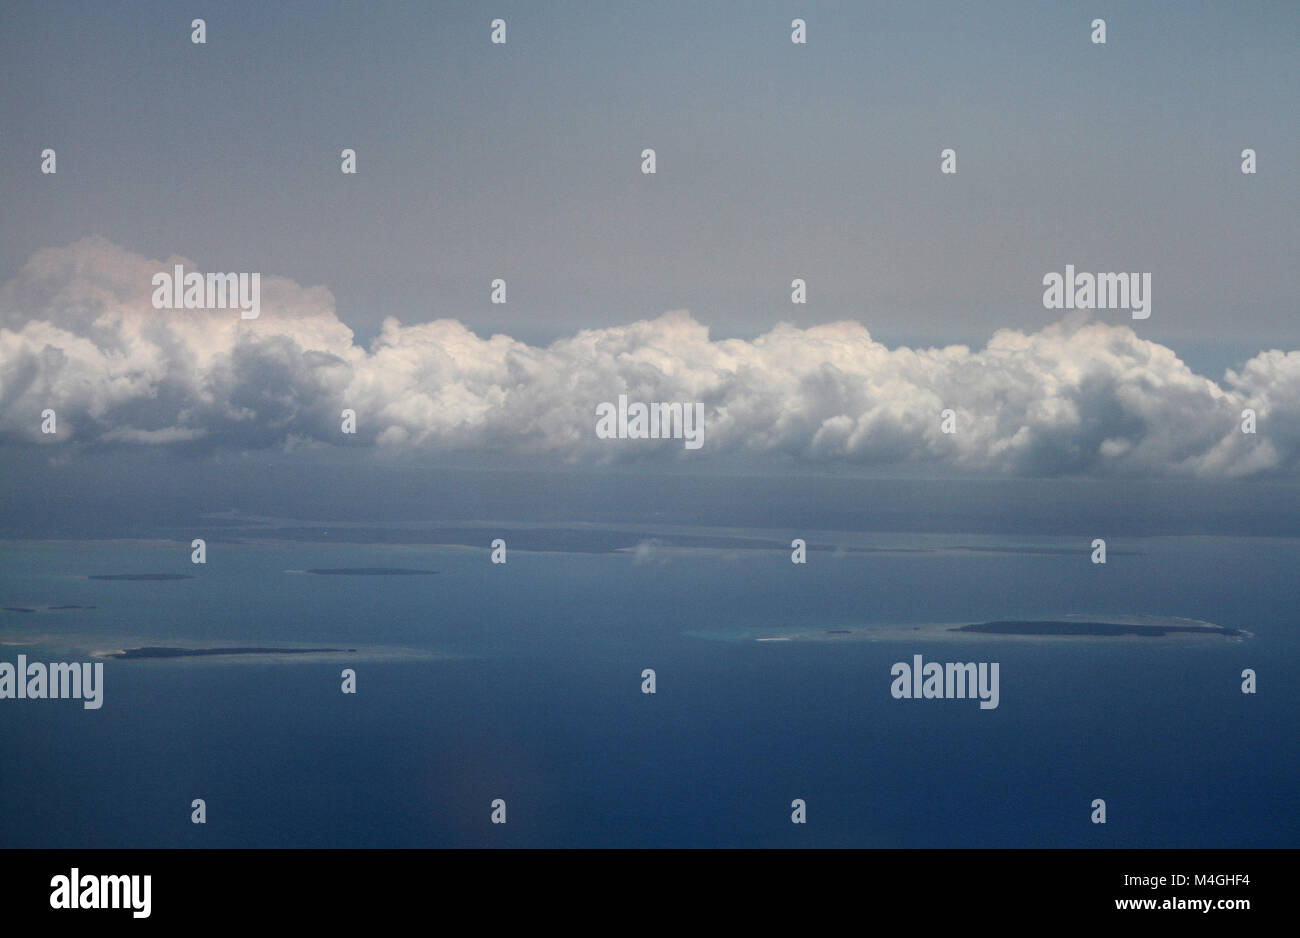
column 1058, row 628
column 42, row 608
column 141, row 576
column 1062, row 627
column 369, row 571
column 160, row 651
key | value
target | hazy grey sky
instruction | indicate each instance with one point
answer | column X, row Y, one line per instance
column 775, row 160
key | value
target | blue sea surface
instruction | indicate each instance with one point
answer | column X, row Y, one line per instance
column 523, row 682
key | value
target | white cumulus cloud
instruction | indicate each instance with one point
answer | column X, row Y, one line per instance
column 79, row 335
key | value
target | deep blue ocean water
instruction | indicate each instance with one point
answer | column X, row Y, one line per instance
column 534, row 697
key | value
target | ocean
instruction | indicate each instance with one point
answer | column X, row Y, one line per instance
column 523, row 682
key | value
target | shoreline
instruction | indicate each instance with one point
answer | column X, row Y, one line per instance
column 1061, row 628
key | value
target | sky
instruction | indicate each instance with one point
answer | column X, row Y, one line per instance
column 775, row 161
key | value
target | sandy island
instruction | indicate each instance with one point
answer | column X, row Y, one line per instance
column 369, row 571
column 268, row 653
column 1057, row 628
column 164, row 651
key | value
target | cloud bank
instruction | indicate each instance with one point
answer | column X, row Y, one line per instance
column 79, row 335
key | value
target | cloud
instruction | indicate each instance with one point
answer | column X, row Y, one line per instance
column 649, row 551
column 78, row 334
